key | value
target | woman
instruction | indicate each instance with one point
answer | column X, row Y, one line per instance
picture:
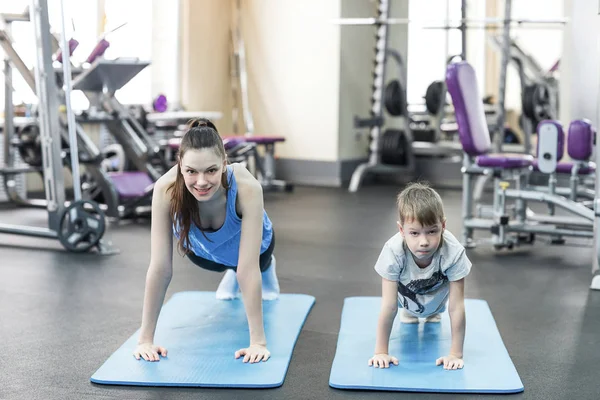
column 216, row 212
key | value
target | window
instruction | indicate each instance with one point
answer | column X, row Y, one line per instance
column 133, row 40
column 81, row 22
column 427, row 47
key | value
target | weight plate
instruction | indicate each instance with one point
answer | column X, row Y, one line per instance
column 435, row 97
column 81, row 226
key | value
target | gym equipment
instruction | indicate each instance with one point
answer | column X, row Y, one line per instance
column 81, row 226
column 536, row 102
column 539, row 89
column 393, row 97
column 488, row 366
column 483, row 23
column 76, row 228
column 421, row 135
column 160, row 103
column 434, row 97
column 434, row 92
column 30, row 145
column 98, row 50
column 100, row 82
column 539, row 98
column 87, row 152
column 265, row 163
column 394, row 147
column 73, row 44
column 507, row 229
column 201, row 335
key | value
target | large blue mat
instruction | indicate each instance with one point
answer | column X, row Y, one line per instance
column 201, row 335
column 488, row 367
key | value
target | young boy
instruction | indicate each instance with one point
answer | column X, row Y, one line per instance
column 422, row 268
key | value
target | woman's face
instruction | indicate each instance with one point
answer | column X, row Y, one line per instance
column 202, row 170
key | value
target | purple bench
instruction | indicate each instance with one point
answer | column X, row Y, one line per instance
column 131, row 184
column 580, row 147
column 472, row 126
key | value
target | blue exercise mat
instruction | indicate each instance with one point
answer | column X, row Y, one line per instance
column 488, row 367
column 201, row 335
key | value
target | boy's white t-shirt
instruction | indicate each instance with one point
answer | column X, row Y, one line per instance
column 423, row 291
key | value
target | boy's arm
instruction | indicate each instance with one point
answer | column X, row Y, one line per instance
column 456, row 309
column 389, row 308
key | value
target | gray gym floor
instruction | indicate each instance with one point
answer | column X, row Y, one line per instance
column 63, row 314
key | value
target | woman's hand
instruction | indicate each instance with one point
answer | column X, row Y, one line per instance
column 149, row 352
column 253, row 354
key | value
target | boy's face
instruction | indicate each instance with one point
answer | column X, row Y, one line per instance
column 422, row 241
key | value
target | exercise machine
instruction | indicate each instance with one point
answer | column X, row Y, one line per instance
column 78, row 225
column 510, row 229
column 390, row 151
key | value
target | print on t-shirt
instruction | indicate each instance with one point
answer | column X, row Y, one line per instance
column 420, row 286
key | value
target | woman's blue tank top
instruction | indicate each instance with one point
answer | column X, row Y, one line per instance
column 224, row 244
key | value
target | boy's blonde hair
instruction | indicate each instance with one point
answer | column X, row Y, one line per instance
column 419, row 202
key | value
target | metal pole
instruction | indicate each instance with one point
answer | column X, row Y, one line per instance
column 463, row 29
column 9, row 127
column 47, row 94
column 499, row 134
column 66, row 55
column 490, row 22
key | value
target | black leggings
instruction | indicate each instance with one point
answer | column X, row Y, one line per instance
column 264, row 260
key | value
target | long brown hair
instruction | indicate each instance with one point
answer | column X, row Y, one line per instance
column 183, row 209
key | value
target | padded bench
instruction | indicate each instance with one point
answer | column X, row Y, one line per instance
column 131, row 184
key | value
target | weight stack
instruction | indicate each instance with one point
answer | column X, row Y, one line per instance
column 19, row 178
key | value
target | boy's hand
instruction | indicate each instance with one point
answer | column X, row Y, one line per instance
column 149, row 352
column 382, row 361
column 450, row 362
column 253, row 354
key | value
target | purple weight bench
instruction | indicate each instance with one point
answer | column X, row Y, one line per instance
column 476, row 143
column 131, row 185
column 266, row 162
column 580, row 147
column 134, row 189
column 472, row 127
